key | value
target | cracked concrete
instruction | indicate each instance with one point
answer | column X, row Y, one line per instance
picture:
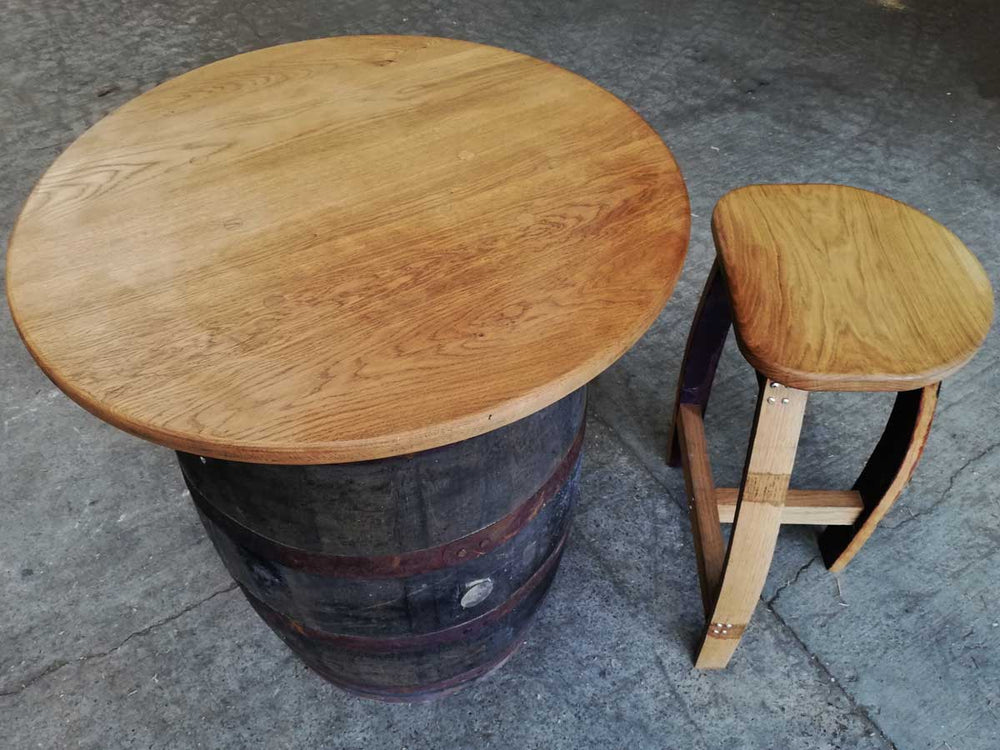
column 791, row 581
column 57, row 665
column 121, row 629
column 947, row 490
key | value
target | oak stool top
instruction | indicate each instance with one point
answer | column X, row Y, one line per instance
column 345, row 249
column 841, row 289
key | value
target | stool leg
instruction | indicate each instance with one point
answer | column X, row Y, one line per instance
column 709, row 546
column 885, row 475
column 701, row 357
column 770, row 457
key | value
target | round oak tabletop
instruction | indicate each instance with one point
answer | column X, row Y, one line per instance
column 346, row 249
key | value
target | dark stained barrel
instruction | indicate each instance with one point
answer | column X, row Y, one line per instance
column 407, row 577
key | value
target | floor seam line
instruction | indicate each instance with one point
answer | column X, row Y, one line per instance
column 56, row 666
column 642, row 464
column 791, row 581
column 857, row 707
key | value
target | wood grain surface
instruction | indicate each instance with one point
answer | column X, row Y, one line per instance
column 759, row 509
column 809, row 507
column 837, row 288
column 346, row 249
column 703, row 508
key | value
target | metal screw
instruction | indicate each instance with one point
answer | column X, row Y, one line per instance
column 776, row 385
column 770, row 399
column 784, row 400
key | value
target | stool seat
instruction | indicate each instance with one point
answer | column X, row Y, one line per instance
column 836, row 288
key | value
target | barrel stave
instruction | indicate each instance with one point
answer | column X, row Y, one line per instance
column 398, row 504
column 393, row 605
column 406, row 577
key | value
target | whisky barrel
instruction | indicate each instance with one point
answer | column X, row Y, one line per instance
column 407, row 577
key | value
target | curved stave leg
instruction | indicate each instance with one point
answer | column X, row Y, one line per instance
column 701, row 356
column 759, row 508
column 885, row 475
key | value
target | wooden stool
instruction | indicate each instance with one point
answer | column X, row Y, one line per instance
column 828, row 288
column 359, row 285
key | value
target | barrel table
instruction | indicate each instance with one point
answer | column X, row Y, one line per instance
column 360, row 284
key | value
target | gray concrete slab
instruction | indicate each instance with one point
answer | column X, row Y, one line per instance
column 121, row 629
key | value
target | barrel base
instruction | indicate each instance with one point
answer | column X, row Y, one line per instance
column 423, row 693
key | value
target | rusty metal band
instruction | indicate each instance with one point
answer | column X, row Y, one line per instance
column 420, row 641
column 405, row 564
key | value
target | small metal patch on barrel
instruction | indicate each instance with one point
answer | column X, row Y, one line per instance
column 476, row 592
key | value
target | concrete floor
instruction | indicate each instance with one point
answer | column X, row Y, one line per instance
column 120, row 627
